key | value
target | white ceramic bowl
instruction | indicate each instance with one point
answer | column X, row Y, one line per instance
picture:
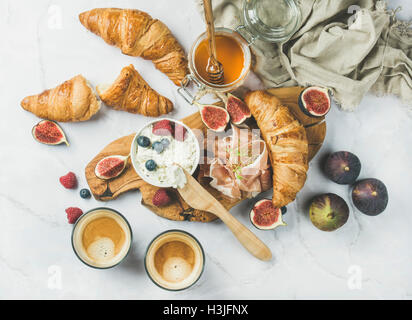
column 133, row 153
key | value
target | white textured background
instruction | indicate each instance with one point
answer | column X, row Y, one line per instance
column 308, row 263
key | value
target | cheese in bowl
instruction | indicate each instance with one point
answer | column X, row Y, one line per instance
column 161, row 149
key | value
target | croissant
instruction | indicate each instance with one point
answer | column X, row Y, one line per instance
column 131, row 93
column 137, row 34
column 74, row 100
column 287, row 144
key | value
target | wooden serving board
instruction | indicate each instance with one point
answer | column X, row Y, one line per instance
column 178, row 210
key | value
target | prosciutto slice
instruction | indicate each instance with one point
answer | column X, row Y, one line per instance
column 239, row 166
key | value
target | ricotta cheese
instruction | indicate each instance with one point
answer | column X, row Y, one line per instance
column 174, row 157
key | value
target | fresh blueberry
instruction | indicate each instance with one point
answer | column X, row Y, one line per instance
column 150, row 165
column 165, row 142
column 85, row 193
column 143, row 141
column 158, row 146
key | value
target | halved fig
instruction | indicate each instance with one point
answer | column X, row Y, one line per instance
column 315, row 101
column 111, row 167
column 265, row 216
column 238, row 110
column 214, row 117
column 49, row 132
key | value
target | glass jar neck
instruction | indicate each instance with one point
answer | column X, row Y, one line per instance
column 271, row 20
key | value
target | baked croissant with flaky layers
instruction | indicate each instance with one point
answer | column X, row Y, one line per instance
column 74, row 100
column 131, row 93
column 137, row 34
column 287, row 143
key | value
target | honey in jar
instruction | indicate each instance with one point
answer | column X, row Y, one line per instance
column 229, row 53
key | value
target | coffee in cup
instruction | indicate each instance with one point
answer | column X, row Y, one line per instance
column 174, row 260
column 101, row 238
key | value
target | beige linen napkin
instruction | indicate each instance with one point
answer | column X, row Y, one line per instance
column 349, row 46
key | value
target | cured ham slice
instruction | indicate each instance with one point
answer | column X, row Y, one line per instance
column 240, row 165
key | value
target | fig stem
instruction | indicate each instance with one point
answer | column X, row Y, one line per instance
column 223, row 96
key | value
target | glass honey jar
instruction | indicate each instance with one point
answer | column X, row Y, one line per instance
column 273, row 21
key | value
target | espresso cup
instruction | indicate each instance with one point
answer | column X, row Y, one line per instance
column 101, row 238
column 174, row 260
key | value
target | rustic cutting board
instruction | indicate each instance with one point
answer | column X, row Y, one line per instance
column 178, row 210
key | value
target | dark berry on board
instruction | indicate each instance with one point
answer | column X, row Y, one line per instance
column 85, row 193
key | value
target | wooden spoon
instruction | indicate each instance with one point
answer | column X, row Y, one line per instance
column 214, row 68
column 198, row 198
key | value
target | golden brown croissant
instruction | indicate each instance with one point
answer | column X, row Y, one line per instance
column 74, row 100
column 137, row 34
column 131, row 93
column 287, row 143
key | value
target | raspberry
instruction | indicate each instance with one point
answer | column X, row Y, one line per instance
column 162, row 128
column 180, row 132
column 161, row 198
column 73, row 214
column 69, row 181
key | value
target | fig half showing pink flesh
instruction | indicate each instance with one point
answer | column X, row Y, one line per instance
column 111, row 167
column 238, row 110
column 265, row 216
column 49, row 132
column 314, row 101
column 214, row 117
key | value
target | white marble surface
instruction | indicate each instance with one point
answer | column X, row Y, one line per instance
column 35, row 237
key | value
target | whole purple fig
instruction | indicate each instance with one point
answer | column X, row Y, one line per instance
column 342, row 167
column 370, row 196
